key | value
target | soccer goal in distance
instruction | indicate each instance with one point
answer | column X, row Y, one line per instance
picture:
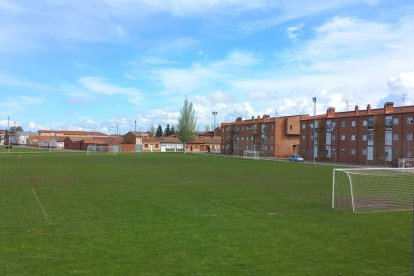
column 365, row 190
column 92, row 149
column 405, row 162
column 254, row 154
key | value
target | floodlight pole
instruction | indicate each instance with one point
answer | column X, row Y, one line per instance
column 214, row 131
column 8, row 130
column 314, row 129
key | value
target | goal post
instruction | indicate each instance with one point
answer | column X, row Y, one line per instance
column 373, row 189
column 112, row 149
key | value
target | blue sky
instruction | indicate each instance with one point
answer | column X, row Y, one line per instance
column 93, row 64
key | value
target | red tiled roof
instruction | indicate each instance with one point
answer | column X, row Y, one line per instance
column 169, row 139
column 150, row 140
column 70, row 133
column 376, row 111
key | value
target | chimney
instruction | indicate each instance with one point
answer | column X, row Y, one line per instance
column 266, row 116
column 356, row 110
column 252, row 117
column 258, row 116
column 330, row 112
column 388, row 107
column 369, row 109
column 239, row 119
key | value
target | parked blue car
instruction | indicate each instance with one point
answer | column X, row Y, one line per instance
column 296, row 158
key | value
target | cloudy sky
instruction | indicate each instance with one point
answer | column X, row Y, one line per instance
column 96, row 64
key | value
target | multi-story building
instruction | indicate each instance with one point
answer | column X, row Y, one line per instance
column 372, row 137
column 273, row 137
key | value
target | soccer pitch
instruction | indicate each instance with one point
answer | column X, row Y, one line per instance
column 177, row 214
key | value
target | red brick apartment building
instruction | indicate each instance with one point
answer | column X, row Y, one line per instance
column 273, row 137
column 370, row 137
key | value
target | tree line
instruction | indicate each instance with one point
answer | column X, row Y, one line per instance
column 166, row 132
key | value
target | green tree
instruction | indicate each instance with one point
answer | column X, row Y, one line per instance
column 186, row 123
column 16, row 129
column 167, row 130
column 159, row 132
column 152, row 131
column 172, row 130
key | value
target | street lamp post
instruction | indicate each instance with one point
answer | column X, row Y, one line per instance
column 214, row 131
column 314, row 129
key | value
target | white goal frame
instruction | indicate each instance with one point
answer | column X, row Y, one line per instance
column 253, row 154
column 407, row 172
column 112, row 149
column 406, row 162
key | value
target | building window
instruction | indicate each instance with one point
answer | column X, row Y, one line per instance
column 370, row 136
column 303, row 137
column 303, row 126
column 156, row 146
column 364, row 151
column 410, row 120
column 311, row 137
column 333, row 152
column 388, row 138
column 333, row 137
column 409, row 137
column 409, row 154
column 342, row 124
column 364, row 123
column 343, row 137
column 342, row 151
column 146, row 146
column 352, row 151
column 353, row 123
column 395, row 121
column 353, row 137
column 388, row 123
column 395, row 137
column 371, row 123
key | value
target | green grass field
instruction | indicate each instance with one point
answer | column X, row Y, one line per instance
column 177, row 214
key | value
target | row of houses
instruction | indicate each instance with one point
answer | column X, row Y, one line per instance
column 131, row 142
column 379, row 136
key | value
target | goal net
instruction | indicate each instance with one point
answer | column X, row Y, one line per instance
column 92, row 149
column 373, row 189
column 254, row 154
column 405, row 162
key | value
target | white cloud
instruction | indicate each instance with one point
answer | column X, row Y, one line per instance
column 402, row 82
column 294, row 31
column 20, row 102
column 101, row 86
column 183, row 8
column 285, row 11
column 204, row 76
